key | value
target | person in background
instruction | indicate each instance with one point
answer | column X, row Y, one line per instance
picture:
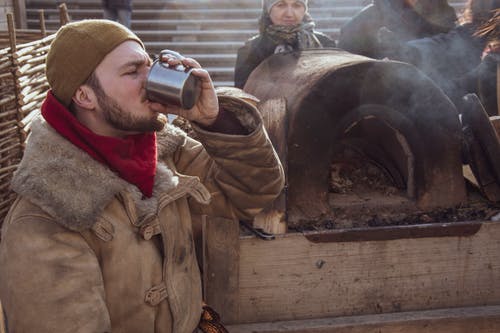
column 484, row 79
column 100, row 237
column 456, row 61
column 408, row 19
column 119, row 11
column 284, row 25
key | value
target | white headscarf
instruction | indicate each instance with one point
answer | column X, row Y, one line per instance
column 268, row 4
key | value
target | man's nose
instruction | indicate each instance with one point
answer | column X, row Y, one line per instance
column 289, row 11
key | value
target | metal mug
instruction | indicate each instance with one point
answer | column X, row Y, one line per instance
column 174, row 85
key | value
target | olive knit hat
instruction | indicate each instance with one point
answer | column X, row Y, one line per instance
column 77, row 50
column 268, row 4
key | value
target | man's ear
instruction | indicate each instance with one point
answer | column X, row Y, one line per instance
column 85, row 97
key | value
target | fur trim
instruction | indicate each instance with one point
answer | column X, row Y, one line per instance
column 73, row 187
column 244, row 110
column 169, row 140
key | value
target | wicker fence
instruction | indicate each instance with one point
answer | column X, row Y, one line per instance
column 23, row 86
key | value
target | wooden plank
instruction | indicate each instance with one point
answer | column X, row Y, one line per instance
column 498, row 88
column 272, row 219
column 456, row 320
column 220, row 266
column 2, row 320
column 495, row 120
column 292, row 278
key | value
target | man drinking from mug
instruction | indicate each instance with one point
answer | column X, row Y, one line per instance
column 100, row 237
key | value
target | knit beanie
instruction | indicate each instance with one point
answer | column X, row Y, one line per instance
column 77, row 50
column 268, row 4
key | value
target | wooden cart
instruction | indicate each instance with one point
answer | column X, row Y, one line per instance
column 427, row 277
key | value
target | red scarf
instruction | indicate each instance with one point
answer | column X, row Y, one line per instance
column 132, row 157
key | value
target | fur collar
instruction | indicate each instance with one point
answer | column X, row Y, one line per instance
column 73, row 187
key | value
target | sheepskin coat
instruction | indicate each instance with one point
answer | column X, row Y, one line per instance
column 83, row 251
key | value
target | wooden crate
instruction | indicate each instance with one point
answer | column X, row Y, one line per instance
column 390, row 278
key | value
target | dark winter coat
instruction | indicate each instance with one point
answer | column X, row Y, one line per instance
column 359, row 35
column 452, row 60
column 258, row 48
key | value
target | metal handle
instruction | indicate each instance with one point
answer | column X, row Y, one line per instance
column 177, row 55
column 257, row 231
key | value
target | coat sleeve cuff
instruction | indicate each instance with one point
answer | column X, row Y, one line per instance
column 237, row 116
column 226, row 123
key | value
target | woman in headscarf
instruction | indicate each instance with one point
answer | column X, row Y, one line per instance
column 409, row 19
column 284, row 25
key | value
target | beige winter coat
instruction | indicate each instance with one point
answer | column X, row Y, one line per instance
column 82, row 251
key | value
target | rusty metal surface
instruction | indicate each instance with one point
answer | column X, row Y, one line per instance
column 332, row 95
column 457, row 229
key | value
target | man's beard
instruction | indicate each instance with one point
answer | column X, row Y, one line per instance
column 120, row 119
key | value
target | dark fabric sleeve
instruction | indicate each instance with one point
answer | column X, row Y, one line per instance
column 359, row 34
column 444, row 57
column 245, row 64
column 249, row 57
column 226, row 123
column 482, row 80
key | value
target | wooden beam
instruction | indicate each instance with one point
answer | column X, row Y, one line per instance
column 20, row 14
column 483, row 319
column 495, row 120
column 305, row 276
column 220, row 266
column 272, row 219
column 63, row 14
column 2, row 320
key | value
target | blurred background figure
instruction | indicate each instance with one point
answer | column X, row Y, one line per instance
column 284, row 25
column 483, row 80
column 409, row 19
column 462, row 61
column 119, row 11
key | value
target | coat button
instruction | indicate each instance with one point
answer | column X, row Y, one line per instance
column 156, row 294
column 147, row 232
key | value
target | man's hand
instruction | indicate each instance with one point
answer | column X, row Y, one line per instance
column 489, row 62
column 206, row 109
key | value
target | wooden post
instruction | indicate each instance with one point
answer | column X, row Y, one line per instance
column 41, row 17
column 273, row 218
column 12, row 32
column 221, row 266
column 2, row 320
column 495, row 120
column 20, row 14
column 498, row 89
column 13, row 49
column 63, row 14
